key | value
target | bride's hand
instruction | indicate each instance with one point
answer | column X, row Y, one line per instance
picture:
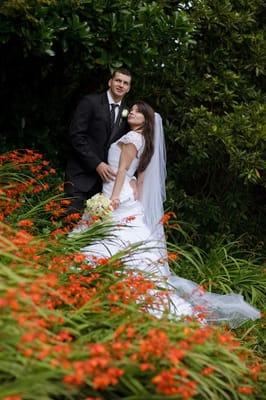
column 115, row 203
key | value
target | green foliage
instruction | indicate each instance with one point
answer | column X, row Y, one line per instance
column 216, row 130
column 223, row 269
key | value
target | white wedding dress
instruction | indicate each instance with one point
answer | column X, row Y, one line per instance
column 184, row 297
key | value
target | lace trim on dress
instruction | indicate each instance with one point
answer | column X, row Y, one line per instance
column 135, row 138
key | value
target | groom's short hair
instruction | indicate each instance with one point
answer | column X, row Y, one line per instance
column 123, row 71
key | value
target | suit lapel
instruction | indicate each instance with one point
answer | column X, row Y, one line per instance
column 106, row 112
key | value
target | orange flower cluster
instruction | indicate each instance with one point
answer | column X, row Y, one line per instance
column 53, row 288
column 27, row 246
column 245, row 390
column 21, row 244
column 76, row 292
column 169, row 220
column 56, row 208
column 13, row 192
column 36, row 171
column 228, row 339
column 25, row 223
column 173, row 256
column 103, row 364
column 106, row 362
column 135, row 289
column 170, row 382
column 40, row 344
column 47, row 294
column 255, row 370
column 20, row 158
column 34, row 300
column 154, row 347
column 167, row 217
column 98, row 368
column 154, row 353
column 207, row 371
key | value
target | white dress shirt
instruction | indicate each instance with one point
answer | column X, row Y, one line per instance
column 111, row 101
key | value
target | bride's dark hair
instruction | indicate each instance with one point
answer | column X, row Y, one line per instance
column 148, row 133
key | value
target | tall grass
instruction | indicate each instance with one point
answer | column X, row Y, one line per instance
column 74, row 330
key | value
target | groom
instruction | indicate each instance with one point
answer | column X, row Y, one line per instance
column 99, row 120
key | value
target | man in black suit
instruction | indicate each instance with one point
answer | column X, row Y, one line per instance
column 98, row 121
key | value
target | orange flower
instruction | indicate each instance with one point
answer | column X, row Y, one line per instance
column 166, row 217
column 3, row 303
column 44, row 353
column 228, row 339
column 113, row 298
column 146, row 367
column 65, row 202
column 79, row 258
column 121, row 329
column 200, row 335
column 207, row 371
column 255, row 369
column 12, row 397
column 182, row 372
column 109, row 377
column 72, row 217
column 156, row 344
column 102, row 261
column 94, row 398
column 131, row 332
column 64, row 336
column 245, row 390
column 175, row 355
column 59, row 232
column 27, row 352
column 99, row 260
column 78, row 378
column 166, row 383
column 25, row 223
column 97, row 349
column 95, row 218
column 173, row 256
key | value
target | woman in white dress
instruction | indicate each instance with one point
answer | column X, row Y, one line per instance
column 142, row 152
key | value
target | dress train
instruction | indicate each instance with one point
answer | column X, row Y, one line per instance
column 184, row 297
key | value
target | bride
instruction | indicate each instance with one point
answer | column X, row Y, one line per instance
column 142, row 152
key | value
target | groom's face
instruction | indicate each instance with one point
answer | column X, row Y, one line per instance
column 119, row 85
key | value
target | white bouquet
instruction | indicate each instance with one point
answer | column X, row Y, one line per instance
column 98, row 205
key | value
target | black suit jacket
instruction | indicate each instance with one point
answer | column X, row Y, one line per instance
column 90, row 137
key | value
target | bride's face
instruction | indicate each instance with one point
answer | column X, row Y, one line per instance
column 135, row 118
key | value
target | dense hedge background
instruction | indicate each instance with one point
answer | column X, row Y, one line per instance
column 199, row 63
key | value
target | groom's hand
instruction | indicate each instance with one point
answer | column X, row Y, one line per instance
column 105, row 171
column 134, row 185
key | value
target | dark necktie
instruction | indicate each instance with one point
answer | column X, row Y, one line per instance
column 113, row 107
